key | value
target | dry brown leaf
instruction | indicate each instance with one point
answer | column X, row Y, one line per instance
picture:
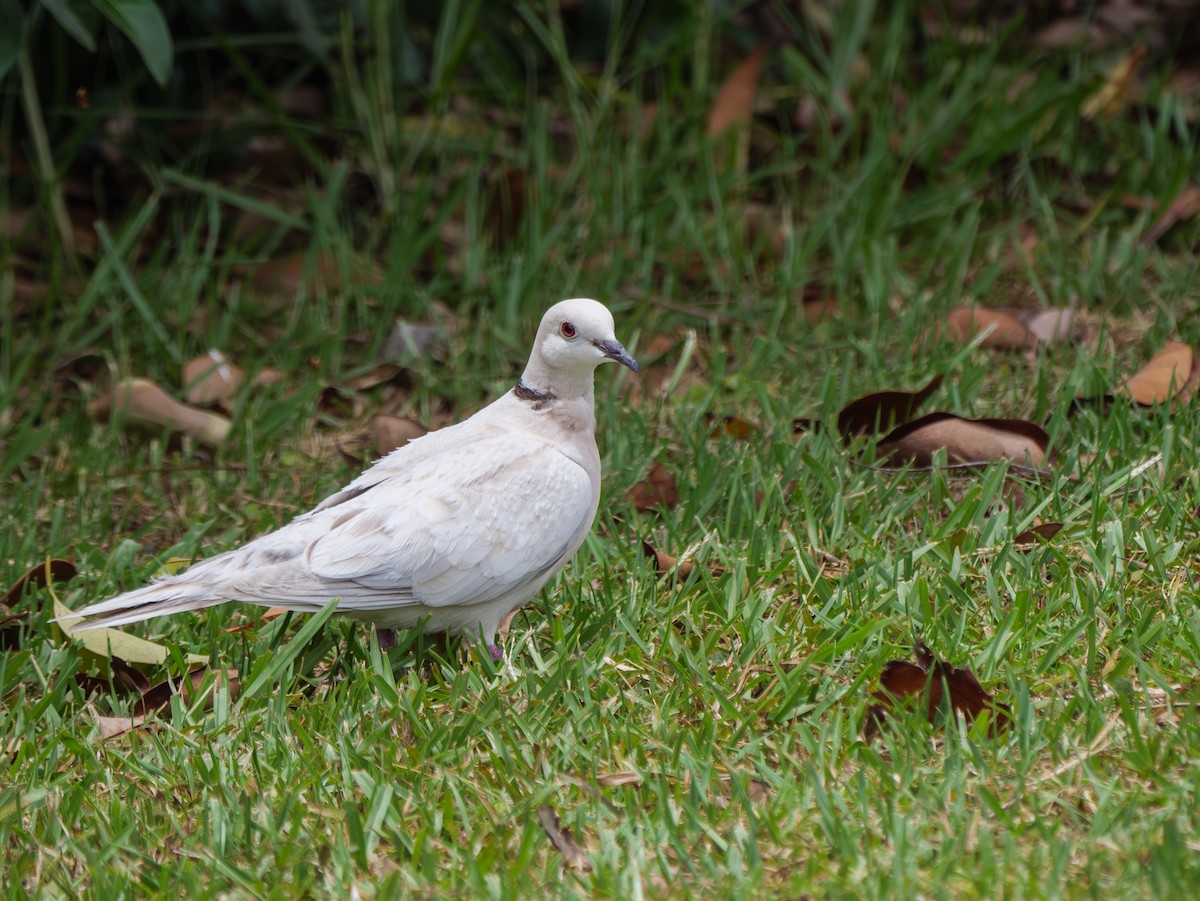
column 141, row 402
column 883, row 410
column 967, row 440
column 613, row 780
column 560, row 836
column 1035, row 535
column 391, row 432
column 1116, row 92
column 1184, row 206
column 665, row 563
column 158, row 697
column 53, row 569
column 211, row 378
column 1164, row 377
column 734, row 103
column 658, row 489
column 731, row 427
column 1008, row 332
column 931, row 679
column 10, row 628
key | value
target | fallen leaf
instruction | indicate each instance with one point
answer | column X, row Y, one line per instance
column 664, row 563
column 734, row 103
column 613, row 780
column 560, row 836
column 1184, row 206
column 657, row 490
column 883, row 410
column 1007, row 332
column 1113, row 96
column 1036, row 535
column 158, row 698
column 1165, row 376
column 210, row 378
column 10, row 627
column 967, row 440
column 106, row 642
column 391, row 432
column 53, row 569
column 731, row 427
column 1051, row 326
column 141, row 402
column 380, row 374
column 903, row 681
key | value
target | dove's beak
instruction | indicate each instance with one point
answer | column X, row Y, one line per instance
column 614, row 351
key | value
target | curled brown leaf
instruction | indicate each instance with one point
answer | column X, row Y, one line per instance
column 967, row 440
column 883, row 410
column 935, row 682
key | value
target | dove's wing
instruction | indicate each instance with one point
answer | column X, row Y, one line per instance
column 488, row 519
column 460, row 540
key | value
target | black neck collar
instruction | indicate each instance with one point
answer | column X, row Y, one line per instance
column 533, row 395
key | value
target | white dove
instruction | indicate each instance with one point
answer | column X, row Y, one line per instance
column 455, row 529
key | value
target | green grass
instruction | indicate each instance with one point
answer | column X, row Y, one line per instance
column 737, row 700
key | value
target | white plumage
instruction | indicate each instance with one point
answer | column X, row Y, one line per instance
column 457, row 528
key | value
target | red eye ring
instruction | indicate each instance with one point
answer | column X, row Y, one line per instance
column 567, row 329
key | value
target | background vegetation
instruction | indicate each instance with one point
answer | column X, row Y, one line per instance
column 372, row 203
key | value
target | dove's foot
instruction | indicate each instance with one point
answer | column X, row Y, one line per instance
column 387, row 639
column 496, row 653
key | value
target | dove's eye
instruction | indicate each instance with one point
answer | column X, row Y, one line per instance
column 568, row 330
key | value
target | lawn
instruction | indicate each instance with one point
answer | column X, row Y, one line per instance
column 697, row 732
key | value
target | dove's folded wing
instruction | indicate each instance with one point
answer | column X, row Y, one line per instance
column 458, row 540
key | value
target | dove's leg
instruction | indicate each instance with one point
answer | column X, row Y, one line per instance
column 496, row 653
column 387, row 639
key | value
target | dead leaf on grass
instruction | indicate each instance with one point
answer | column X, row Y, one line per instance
column 51, row 570
column 1012, row 329
column 733, row 106
column 664, row 563
column 1036, row 535
column 574, row 856
column 104, row 643
column 1169, row 374
column 730, row 427
column 211, row 378
column 613, row 780
column 883, row 410
column 140, row 402
column 933, row 680
column 967, row 440
column 158, row 698
column 657, row 490
column 1185, row 206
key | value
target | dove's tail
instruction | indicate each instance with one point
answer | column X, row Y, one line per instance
column 157, row 599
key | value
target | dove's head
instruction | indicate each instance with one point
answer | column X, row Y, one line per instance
column 574, row 338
